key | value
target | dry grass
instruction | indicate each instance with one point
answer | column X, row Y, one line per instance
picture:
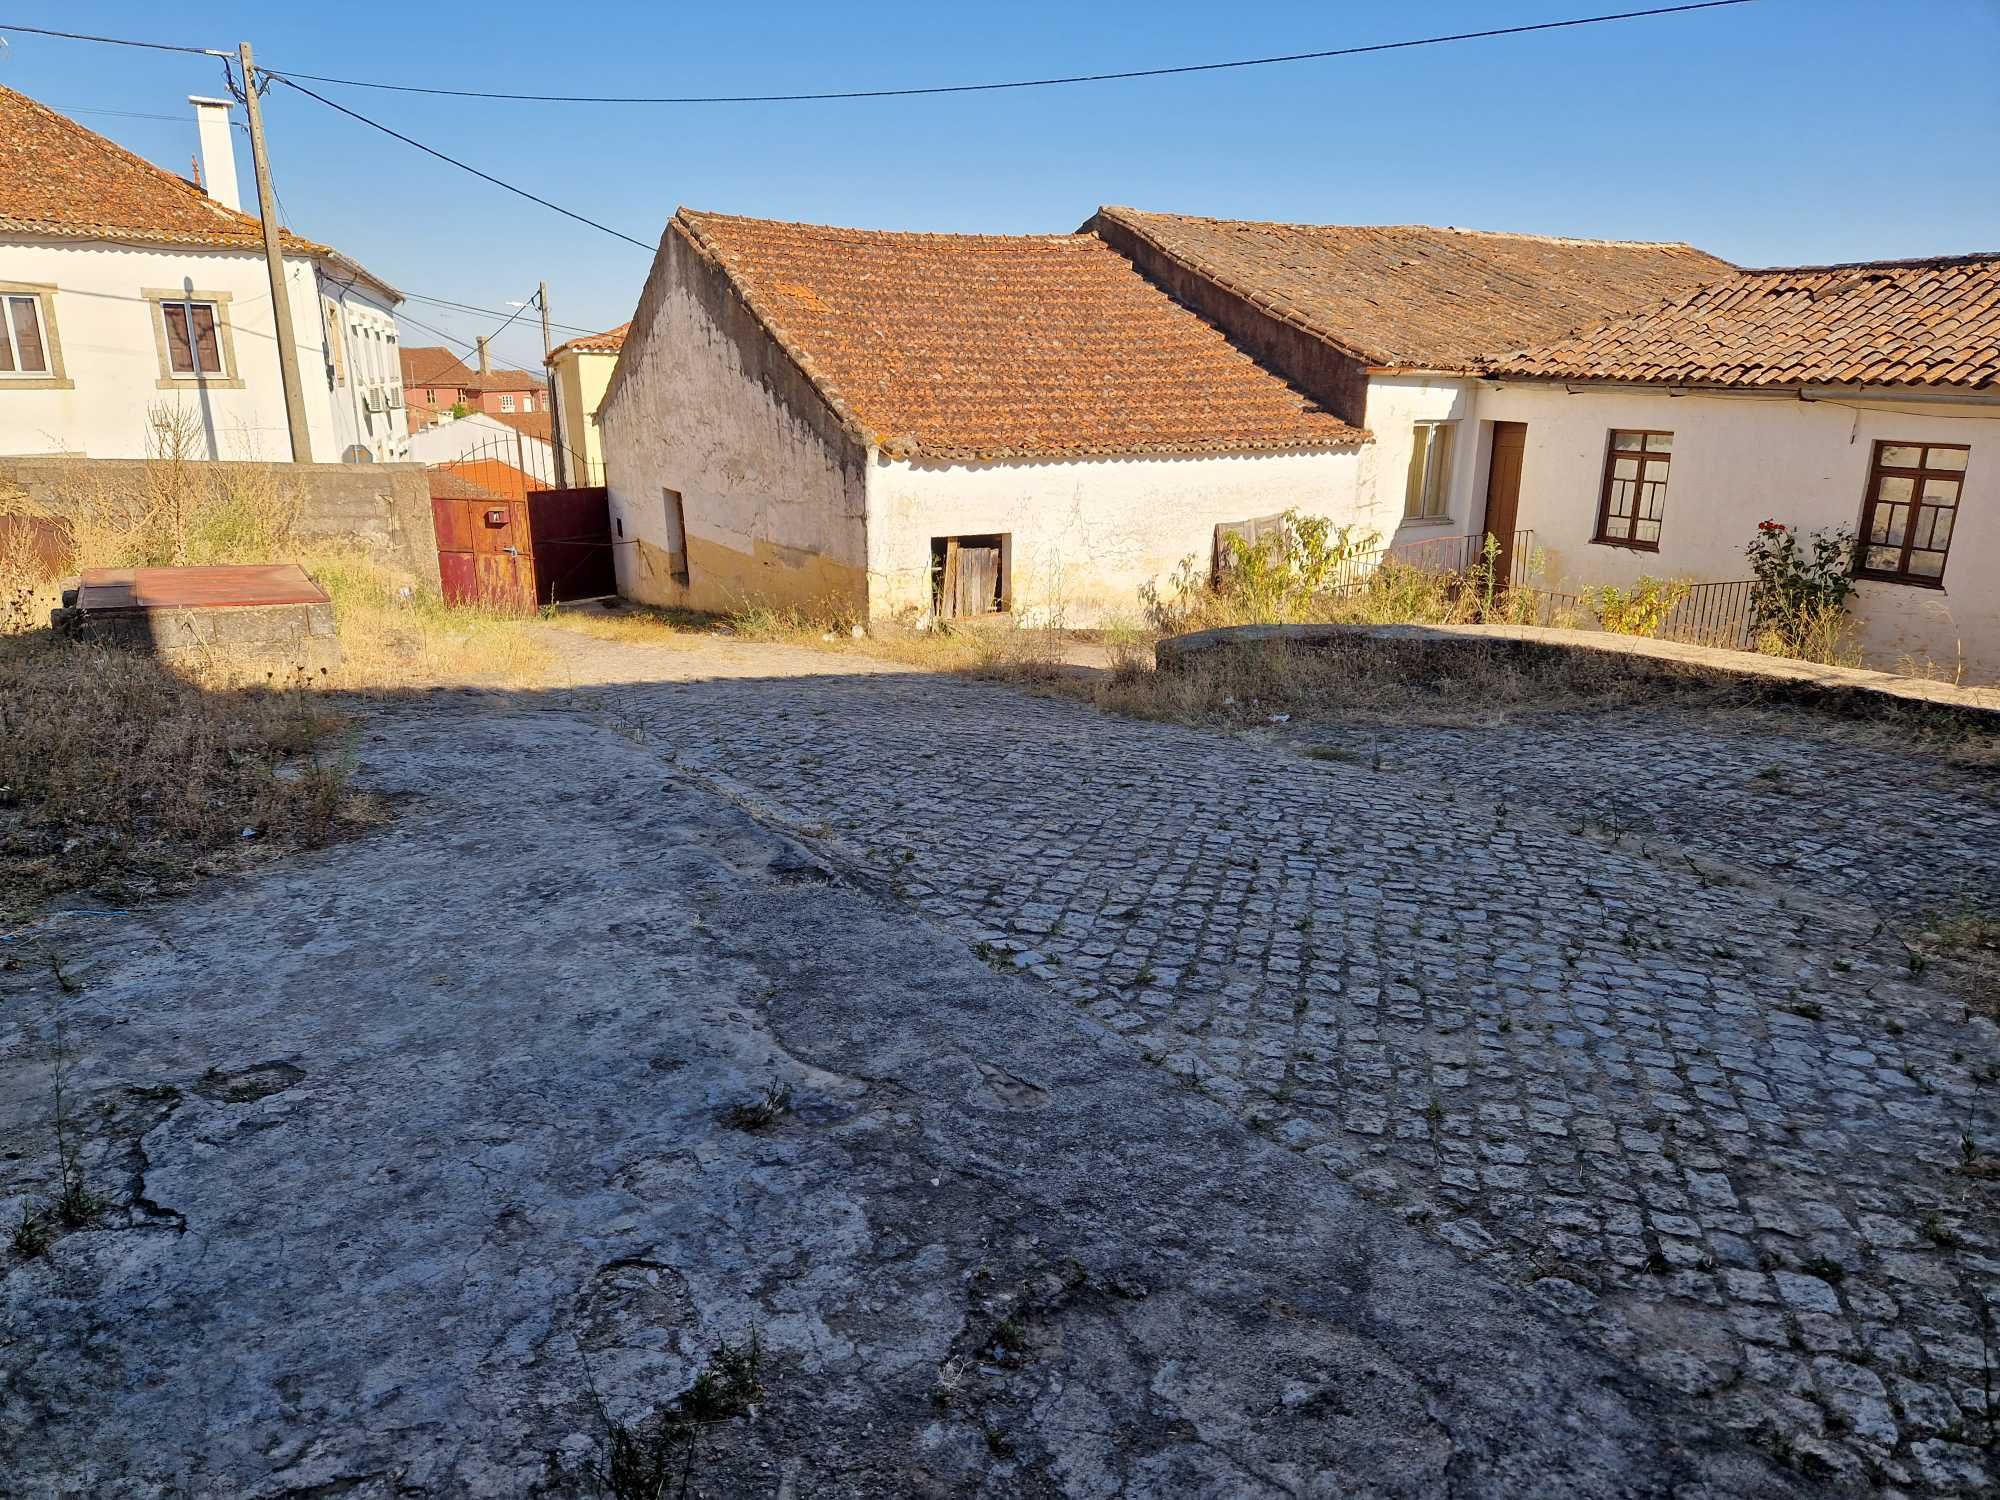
column 124, row 779
column 1475, row 683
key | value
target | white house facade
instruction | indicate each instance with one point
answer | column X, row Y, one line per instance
column 895, row 424
column 135, row 303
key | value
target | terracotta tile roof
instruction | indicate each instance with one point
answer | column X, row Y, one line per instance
column 59, row 179
column 534, row 424
column 1910, row 322
column 953, row 346
column 432, row 365
column 502, row 380
column 608, row 342
column 1415, row 298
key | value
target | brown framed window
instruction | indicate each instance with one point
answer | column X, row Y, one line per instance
column 192, row 345
column 1907, row 514
column 1634, row 499
column 24, row 350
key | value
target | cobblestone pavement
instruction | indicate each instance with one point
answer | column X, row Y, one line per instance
column 1872, row 825
column 1720, row 1121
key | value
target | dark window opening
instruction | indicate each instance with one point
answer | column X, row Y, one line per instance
column 969, row 575
column 1907, row 514
column 677, row 555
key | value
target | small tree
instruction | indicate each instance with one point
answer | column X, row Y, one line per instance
column 1801, row 585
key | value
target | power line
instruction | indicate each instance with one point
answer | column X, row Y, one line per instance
column 1021, row 83
column 465, row 166
column 491, row 312
column 109, row 41
column 908, row 93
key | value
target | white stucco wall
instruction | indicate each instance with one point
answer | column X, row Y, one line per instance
column 1396, row 403
column 102, row 324
column 1738, row 460
column 706, row 405
column 1089, row 533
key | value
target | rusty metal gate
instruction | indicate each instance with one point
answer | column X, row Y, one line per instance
column 517, row 554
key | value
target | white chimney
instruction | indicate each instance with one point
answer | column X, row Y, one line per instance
column 218, row 151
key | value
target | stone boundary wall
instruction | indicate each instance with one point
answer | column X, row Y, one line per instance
column 1178, row 650
column 385, row 509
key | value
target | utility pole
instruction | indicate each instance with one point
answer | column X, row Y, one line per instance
column 555, row 410
column 274, row 261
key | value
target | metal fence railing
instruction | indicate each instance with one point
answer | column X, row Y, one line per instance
column 1712, row 614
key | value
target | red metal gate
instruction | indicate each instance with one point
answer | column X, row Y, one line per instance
column 517, row 554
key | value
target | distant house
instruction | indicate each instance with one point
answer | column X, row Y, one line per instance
column 1388, row 325
column 579, row 373
column 914, row 423
column 136, row 302
column 1627, row 409
column 1864, row 397
column 437, row 383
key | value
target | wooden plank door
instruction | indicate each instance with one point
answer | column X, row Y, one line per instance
column 978, row 580
column 1503, row 495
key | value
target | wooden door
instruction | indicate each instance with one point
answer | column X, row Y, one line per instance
column 1503, row 495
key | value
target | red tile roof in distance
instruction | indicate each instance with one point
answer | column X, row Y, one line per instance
column 61, row 180
column 1907, row 323
column 959, row 346
column 608, row 342
column 1410, row 297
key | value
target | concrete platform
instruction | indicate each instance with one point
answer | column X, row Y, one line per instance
column 270, row 614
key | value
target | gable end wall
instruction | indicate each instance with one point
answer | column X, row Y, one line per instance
column 773, row 486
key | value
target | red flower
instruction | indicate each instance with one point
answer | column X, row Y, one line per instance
column 1772, row 526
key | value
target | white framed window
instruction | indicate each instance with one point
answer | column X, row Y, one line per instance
column 24, row 340
column 1427, row 492
column 506, row 403
column 527, row 403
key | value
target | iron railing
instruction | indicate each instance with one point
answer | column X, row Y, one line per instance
column 1712, row 614
column 1444, row 554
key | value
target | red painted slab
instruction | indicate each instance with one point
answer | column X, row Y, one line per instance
column 196, row 588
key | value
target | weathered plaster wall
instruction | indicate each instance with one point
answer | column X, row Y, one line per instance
column 1740, row 459
column 771, row 485
column 1087, row 534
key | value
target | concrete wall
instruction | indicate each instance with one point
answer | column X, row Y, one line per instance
column 1738, row 460
column 1088, row 534
column 103, row 324
column 384, row 509
column 772, row 486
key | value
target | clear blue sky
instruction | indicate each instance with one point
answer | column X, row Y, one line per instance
column 1783, row 131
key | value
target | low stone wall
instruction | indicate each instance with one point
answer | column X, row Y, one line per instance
column 298, row 637
column 385, row 509
column 1177, row 650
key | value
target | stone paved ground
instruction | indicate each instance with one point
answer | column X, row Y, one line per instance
column 1867, row 822
column 1717, row 1119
